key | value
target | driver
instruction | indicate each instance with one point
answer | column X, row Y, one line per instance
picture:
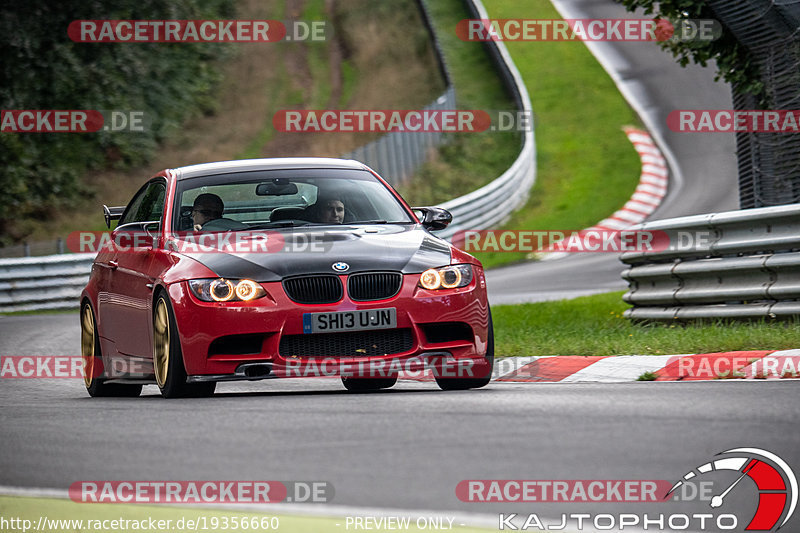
column 206, row 207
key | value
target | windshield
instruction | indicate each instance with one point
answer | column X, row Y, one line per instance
column 284, row 198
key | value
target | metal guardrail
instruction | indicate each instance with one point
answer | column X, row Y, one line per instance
column 736, row 264
column 55, row 282
column 41, row 283
column 396, row 155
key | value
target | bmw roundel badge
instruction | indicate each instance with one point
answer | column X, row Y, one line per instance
column 340, row 266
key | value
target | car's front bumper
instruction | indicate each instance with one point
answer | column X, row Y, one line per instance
column 210, row 332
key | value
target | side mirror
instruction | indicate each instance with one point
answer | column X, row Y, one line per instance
column 434, row 218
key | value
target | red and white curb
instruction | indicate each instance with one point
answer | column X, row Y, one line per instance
column 760, row 364
column 652, row 184
column 648, row 195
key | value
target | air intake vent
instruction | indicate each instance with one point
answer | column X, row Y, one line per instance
column 447, row 332
column 374, row 285
column 313, row 289
column 350, row 344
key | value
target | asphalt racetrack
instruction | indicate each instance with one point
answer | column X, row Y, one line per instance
column 406, row 448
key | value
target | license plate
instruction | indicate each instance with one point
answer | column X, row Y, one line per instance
column 350, row 320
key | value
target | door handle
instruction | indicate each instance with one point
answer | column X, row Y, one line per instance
column 113, row 264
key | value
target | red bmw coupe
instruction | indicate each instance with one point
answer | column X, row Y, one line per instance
column 269, row 268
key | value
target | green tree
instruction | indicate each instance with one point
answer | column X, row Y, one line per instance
column 43, row 69
column 735, row 64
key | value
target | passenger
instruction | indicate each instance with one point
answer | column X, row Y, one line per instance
column 329, row 210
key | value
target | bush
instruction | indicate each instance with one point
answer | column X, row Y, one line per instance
column 44, row 69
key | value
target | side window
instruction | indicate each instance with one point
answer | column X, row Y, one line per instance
column 133, row 208
column 147, row 205
column 153, row 204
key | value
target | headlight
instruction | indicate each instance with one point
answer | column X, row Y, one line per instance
column 449, row 277
column 226, row 290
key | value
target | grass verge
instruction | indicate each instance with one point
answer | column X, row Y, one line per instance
column 593, row 325
column 181, row 518
column 586, row 167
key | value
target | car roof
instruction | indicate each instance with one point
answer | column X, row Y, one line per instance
column 278, row 163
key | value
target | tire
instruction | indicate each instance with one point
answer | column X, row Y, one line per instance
column 91, row 355
column 368, row 384
column 168, row 357
column 473, row 383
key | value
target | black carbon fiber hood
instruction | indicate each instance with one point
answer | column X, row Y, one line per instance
column 402, row 248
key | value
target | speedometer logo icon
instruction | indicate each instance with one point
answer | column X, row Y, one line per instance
column 775, row 480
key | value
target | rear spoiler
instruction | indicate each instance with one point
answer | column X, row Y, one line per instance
column 112, row 213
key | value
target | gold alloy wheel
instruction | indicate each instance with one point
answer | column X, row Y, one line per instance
column 161, row 342
column 87, row 344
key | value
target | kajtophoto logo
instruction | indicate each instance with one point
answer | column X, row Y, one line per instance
column 711, row 484
column 774, row 479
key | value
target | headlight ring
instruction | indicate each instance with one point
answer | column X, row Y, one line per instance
column 448, row 277
column 226, row 290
